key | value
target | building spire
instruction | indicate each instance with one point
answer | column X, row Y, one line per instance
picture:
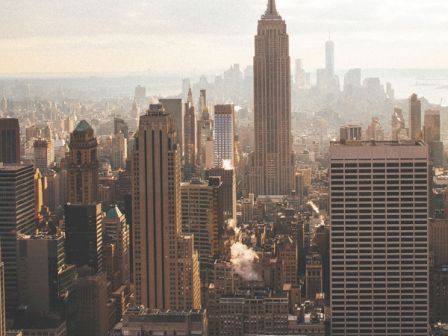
column 272, row 9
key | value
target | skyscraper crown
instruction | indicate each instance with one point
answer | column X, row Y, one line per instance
column 271, row 11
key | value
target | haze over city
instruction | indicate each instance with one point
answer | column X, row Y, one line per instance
column 224, row 168
column 110, row 36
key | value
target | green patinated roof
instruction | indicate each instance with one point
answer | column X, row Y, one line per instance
column 114, row 212
column 83, row 126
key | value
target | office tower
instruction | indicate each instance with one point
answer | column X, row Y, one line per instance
column 431, row 135
column 186, row 85
column 140, row 321
column 399, row 131
column 329, row 59
column 375, row 131
column 313, row 274
column 272, row 167
column 10, row 140
column 92, row 317
column 17, row 209
column 200, row 218
column 300, row 76
column 352, row 80
column 119, row 151
column 120, row 126
column 82, row 165
column 189, row 136
column 205, row 152
column 228, row 180
column 116, row 233
column 224, row 136
column 350, row 133
column 175, row 107
column 53, row 197
column 415, row 118
column 45, row 282
column 379, row 238
column 156, row 214
column 2, row 298
column 84, row 235
column 43, row 154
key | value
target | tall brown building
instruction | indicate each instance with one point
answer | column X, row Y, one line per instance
column 161, row 263
column 272, row 163
column 82, row 165
column 9, row 140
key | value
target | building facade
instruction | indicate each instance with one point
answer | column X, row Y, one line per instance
column 224, row 136
column 17, row 208
column 82, row 165
column 10, row 140
column 379, row 238
column 272, row 164
column 156, row 216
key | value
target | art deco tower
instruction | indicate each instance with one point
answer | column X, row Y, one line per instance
column 82, row 165
column 272, row 164
column 166, row 268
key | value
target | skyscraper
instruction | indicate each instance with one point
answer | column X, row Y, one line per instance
column 415, row 118
column 189, row 135
column 224, row 136
column 156, row 216
column 272, row 167
column 200, row 218
column 228, row 190
column 329, row 59
column 82, row 165
column 43, row 154
column 84, row 235
column 379, row 238
column 9, row 140
column 175, row 107
column 17, row 216
column 205, row 145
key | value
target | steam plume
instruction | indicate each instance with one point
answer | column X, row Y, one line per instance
column 243, row 259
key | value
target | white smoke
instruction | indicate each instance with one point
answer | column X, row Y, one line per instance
column 243, row 259
column 227, row 164
column 314, row 206
column 231, row 224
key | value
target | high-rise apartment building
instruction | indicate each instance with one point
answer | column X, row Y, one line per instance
column 82, row 165
column 272, row 164
column 156, row 216
column 415, row 118
column 379, row 238
column 84, row 235
column 9, row 140
column 17, row 216
column 43, row 154
column 224, row 136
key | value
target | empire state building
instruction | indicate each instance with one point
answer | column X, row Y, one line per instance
column 272, row 163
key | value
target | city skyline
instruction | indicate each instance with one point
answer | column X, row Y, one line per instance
column 102, row 38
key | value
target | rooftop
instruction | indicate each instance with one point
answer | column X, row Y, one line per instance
column 83, row 126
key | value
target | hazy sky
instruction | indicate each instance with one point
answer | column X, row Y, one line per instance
column 206, row 36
